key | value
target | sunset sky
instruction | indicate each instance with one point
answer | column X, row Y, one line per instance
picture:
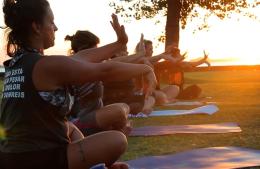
column 228, row 41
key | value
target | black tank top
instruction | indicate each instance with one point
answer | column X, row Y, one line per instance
column 30, row 123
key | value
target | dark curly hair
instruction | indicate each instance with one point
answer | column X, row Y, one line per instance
column 19, row 16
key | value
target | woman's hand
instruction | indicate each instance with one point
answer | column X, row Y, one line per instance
column 206, row 56
column 120, row 30
column 141, row 47
column 169, row 57
column 172, row 54
column 150, row 80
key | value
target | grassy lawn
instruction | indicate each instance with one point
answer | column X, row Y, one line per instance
column 237, row 94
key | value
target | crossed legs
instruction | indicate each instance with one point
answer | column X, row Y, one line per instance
column 104, row 147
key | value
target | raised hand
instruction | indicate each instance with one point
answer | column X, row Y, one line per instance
column 184, row 54
column 141, row 47
column 119, row 29
column 206, row 56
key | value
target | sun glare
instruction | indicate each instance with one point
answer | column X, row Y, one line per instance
column 227, row 41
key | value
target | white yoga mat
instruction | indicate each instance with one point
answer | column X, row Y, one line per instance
column 185, row 103
column 207, row 109
column 205, row 158
column 202, row 128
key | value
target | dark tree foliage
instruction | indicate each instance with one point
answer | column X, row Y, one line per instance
column 182, row 11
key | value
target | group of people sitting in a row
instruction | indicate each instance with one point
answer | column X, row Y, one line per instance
column 96, row 99
column 51, row 104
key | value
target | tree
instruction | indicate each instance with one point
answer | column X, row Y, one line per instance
column 181, row 11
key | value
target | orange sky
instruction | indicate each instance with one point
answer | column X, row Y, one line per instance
column 227, row 42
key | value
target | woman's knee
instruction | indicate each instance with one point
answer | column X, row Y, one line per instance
column 120, row 110
column 171, row 91
column 113, row 116
column 105, row 147
column 112, row 140
column 119, row 142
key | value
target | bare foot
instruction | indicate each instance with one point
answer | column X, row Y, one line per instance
column 147, row 111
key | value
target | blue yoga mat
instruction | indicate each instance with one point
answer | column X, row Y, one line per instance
column 206, row 158
column 185, row 103
column 207, row 109
column 174, row 129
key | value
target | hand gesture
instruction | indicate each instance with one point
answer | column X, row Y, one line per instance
column 119, row 29
column 171, row 59
column 206, row 56
column 141, row 47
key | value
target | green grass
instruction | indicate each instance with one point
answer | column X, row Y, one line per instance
column 237, row 94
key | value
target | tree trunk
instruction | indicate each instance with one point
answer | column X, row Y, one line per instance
column 172, row 24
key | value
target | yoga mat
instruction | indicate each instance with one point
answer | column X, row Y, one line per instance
column 207, row 109
column 202, row 128
column 185, row 103
column 205, row 158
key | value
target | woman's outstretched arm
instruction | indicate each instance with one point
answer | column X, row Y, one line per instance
column 57, row 71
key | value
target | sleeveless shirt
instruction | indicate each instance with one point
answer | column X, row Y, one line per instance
column 30, row 123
